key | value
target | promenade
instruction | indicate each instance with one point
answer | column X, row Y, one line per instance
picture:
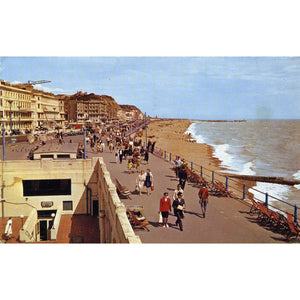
column 227, row 220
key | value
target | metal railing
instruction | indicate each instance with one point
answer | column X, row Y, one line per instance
column 240, row 190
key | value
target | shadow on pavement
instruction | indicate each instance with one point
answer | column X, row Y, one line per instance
column 193, row 213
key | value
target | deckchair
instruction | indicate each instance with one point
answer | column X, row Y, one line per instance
column 123, row 191
column 137, row 218
column 220, row 190
column 264, row 214
column 294, row 229
column 254, row 208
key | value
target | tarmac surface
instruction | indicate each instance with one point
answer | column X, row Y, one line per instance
column 227, row 219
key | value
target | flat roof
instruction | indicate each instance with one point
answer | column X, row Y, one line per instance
column 57, row 148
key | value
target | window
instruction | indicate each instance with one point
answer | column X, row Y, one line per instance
column 67, row 205
column 47, row 187
column 63, row 156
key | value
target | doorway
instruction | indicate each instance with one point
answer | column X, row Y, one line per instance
column 45, row 223
column 95, row 208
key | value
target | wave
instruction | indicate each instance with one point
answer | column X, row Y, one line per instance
column 278, row 191
column 297, row 175
column 192, row 130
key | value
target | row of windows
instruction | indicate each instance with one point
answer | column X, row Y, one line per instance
column 15, row 104
column 15, row 95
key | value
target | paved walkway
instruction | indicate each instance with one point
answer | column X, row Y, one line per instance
column 227, row 219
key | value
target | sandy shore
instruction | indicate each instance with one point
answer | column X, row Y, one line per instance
column 169, row 135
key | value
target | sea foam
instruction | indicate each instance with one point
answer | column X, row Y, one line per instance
column 278, row 191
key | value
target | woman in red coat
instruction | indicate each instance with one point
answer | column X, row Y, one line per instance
column 164, row 208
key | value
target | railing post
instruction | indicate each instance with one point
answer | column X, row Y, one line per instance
column 295, row 213
column 226, row 183
column 170, row 156
column 201, row 171
column 244, row 191
column 266, row 200
column 213, row 176
column 165, row 154
column 191, row 165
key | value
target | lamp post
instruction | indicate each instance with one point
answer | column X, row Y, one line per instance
column 53, row 215
column 3, row 132
column 54, row 108
column 10, row 102
column 19, row 107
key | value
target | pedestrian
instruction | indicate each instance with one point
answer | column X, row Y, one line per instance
column 178, row 206
column 164, row 208
column 117, row 155
column 177, row 163
column 146, row 157
column 148, row 181
column 203, row 199
column 152, row 147
column 92, row 144
column 149, row 145
column 120, row 155
column 129, row 164
column 8, row 228
column 111, row 146
column 182, row 176
column 178, row 190
column 140, row 182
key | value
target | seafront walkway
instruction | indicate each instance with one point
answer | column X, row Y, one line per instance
column 227, row 219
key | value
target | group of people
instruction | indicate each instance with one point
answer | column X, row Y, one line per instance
column 144, row 179
column 134, row 153
column 178, row 205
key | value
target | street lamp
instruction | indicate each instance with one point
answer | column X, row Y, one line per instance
column 3, row 132
column 53, row 215
column 54, row 108
column 19, row 107
column 10, row 102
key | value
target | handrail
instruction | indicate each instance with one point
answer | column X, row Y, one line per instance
column 196, row 167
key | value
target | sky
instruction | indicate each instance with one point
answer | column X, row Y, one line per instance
column 193, row 87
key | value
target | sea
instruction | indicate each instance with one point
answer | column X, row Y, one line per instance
column 256, row 147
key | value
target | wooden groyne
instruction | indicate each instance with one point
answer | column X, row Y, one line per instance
column 270, row 179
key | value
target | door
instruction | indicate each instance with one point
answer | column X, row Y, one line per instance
column 43, row 230
column 95, row 208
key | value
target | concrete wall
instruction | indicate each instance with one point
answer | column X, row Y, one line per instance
column 90, row 181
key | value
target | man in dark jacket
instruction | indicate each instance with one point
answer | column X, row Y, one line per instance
column 178, row 206
column 182, row 174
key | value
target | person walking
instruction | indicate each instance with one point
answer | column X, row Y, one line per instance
column 120, row 155
column 177, row 164
column 164, row 208
column 178, row 206
column 178, row 190
column 8, row 228
column 182, row 176
column 117, row 155
column 146, row 156
column 152, row 147
column 148, row 181
column 203, row 199
column 140, row 182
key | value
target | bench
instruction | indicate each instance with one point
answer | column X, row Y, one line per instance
column 122, row 190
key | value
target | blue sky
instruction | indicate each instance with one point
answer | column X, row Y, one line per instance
column 174, row 87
